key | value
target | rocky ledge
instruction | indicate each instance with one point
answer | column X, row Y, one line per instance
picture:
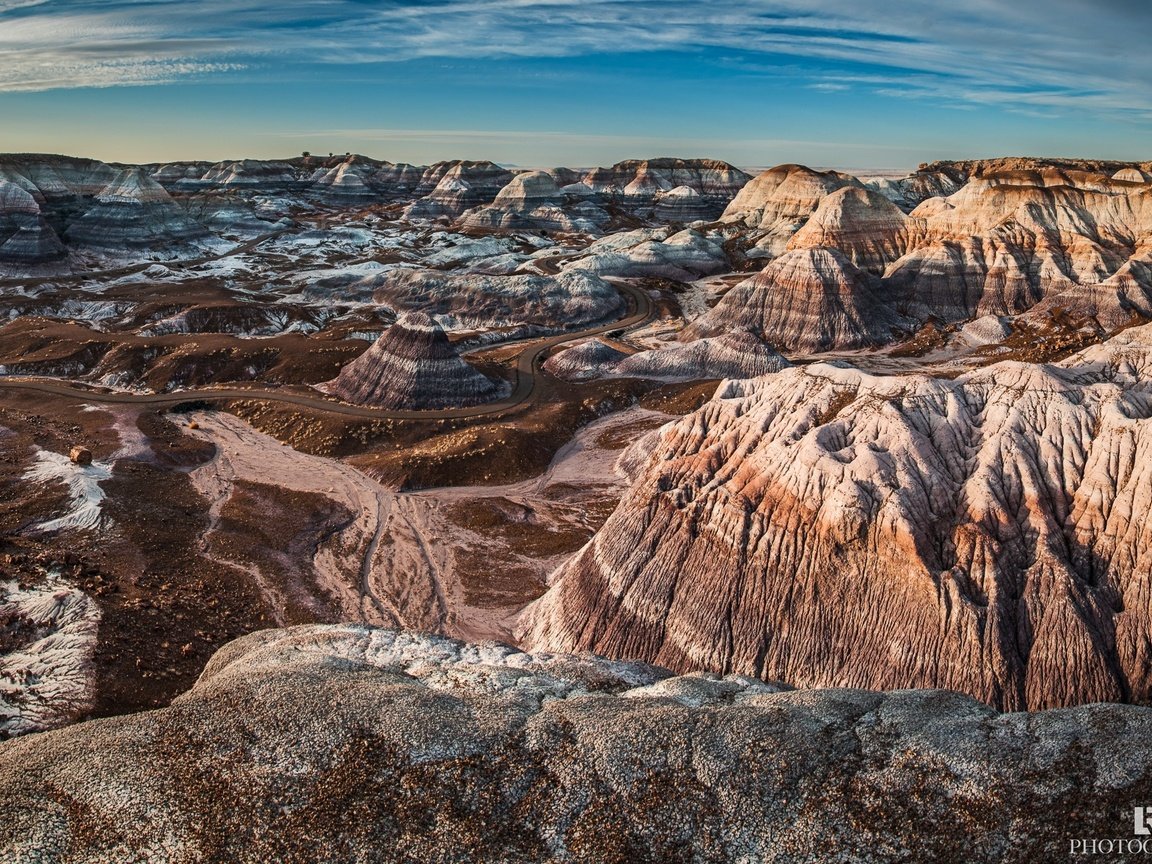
column 348, row 743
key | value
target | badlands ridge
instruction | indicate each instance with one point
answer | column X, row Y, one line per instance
column 853, row 435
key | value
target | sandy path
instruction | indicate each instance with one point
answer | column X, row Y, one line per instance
column 243, row 454
column 395, row 561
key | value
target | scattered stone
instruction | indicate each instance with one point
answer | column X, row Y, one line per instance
column 80, row 455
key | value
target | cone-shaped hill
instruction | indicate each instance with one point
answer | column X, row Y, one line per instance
column 414, row 366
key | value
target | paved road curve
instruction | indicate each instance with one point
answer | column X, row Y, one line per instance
column 527, row 375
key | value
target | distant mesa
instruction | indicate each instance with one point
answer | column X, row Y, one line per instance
column 661, row 190
column 462, row 186
column 134, row 211
column 413, row 366
column 25, row 237
column 846, row 262
column 533, row 201
column 639, row 185
column 344, row 185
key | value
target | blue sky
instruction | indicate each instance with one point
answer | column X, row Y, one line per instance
column 850, row 83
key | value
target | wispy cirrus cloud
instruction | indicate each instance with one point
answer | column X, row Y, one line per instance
column 1027, row 54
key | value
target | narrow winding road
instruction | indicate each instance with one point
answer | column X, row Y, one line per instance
column 525, row 389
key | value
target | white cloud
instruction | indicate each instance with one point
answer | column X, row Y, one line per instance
column 1030, row 54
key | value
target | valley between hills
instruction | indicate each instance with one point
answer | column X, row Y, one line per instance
column 782, row 494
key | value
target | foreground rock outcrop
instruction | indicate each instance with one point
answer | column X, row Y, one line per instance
column 414, row 366
column 988, row 534
column 354, row 744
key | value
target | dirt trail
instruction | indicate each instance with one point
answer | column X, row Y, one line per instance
column 243, row 454
column 397, row 561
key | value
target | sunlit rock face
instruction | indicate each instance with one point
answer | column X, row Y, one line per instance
column 309, row 742
column 999, row 237
column 862, row 225
column 988, row 534
column 414, row 366
column 780, row 200
column 1009, row 241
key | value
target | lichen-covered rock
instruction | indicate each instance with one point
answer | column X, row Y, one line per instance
column 989, row 534
column 353, row 744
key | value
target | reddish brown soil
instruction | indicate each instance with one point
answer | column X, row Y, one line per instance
column 33, row 345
